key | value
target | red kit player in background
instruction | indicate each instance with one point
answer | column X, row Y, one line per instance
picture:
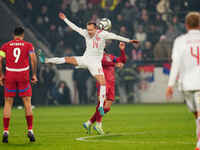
column 16, row 53
column 109, row 62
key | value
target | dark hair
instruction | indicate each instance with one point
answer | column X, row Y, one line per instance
column 18, row 31
column 92, row 23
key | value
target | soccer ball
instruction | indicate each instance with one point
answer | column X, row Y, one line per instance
column 104, row 24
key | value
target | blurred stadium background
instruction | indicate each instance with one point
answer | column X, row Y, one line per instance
column 156, row 23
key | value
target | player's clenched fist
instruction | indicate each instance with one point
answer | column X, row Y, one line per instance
column 122, row 45
column 119, row 65
column 62, row 16
column 34, row 79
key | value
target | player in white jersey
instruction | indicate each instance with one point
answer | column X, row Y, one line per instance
column 186, row 65
column 91, row 59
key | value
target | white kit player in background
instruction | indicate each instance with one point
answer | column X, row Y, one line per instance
column 91, row 59
column 186, row 65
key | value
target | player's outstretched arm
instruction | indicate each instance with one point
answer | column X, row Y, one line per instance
column 113, row 36
column 117, row 61
column 72, row 25
column 34, row 67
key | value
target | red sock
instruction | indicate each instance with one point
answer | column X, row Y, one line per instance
column 6, row 122
column 93, row 118
column 98, row 117
column 29, row 120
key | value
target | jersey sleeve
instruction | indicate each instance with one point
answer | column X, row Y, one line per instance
column 3, row 51
column 30, row 48
column 111, row 60
column 112, row 36
column 75, row 27
column 176, row 61
column 121, row 58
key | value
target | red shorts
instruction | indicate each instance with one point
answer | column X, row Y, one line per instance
column 17, row 81
column 110, row 91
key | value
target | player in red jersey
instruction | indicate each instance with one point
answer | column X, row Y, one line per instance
column 16, row 53
column 109, row 62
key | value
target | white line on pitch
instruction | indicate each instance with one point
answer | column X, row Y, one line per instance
column 89, row 139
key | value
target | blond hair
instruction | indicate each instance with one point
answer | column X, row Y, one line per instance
column 192, row 20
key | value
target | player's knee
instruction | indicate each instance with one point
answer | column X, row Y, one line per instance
column 107, row 107
column 7, row 106
column 7, row 112
column 6, row 115
column 108, row 103
column 28, row 109
column 9, row 100
column 67, row 59
column 71, row 60
column 102, row 82
column 106, row 110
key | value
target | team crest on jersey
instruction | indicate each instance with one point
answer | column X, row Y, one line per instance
column 108, row 58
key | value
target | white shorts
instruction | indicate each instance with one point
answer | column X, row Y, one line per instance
column 93, row 64
column 192, row 99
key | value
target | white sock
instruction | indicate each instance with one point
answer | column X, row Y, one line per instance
column 30, row 131
column 55, row 60
column 6, row 131
column 198, row 144
column 89, row 122
column 198, row 131
column 99, row 124
column 102, row 95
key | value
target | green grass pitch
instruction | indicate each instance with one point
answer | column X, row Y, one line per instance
column 128, row 127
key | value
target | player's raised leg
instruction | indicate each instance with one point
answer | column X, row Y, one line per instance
column 6, row 117
column 57, row 60
column 29, row 117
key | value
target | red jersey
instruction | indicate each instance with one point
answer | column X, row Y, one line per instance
column 17, row 55
column 17, row 68
column 108, row 63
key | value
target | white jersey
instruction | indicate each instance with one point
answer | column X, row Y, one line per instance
column 95, row 45
column 186, row 61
